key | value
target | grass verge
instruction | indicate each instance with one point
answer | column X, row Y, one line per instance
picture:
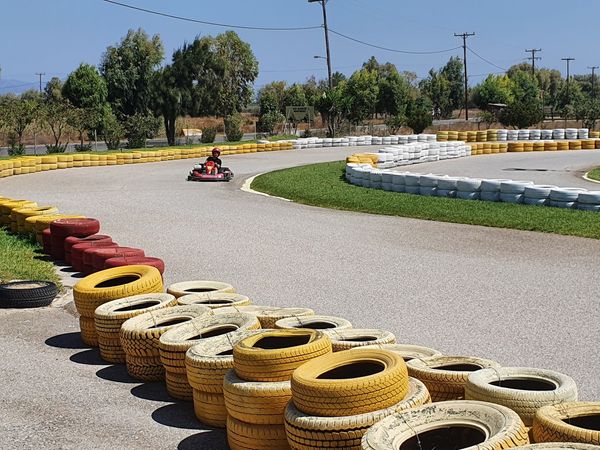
column 19, row 259
column 323, row 185
column 594, row 174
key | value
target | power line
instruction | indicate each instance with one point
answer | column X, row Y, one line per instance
column 18, row 85
column 486, row 60
column 204, row 22
column 391, row 49
column 464, row 37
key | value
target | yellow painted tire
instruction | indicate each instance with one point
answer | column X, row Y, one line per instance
column 350, row 383
column 568, row 422
column 406, row 351
column 256, row 402
column 178, row 386
column 267, row 315
column 358, row 337
column 273, row 355
column 249, row 436
column 315, row 433
column 446, row 376
column 206, row 363
column 199, row 286
column 497, row 427
column 88, row 331
column 314, row 323
column 210, row 408
column 109, row 317
column 214, row 300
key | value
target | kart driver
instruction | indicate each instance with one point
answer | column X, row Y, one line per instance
column 215, row 159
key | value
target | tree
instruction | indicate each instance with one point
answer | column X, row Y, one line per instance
column 128, row 68
column 333, row 105
column 439, row 91
column 233, row 127
column 588, row 111
column 271, row 96
column 17, row 114
column 362, row 94
column 418, row 114
column 57, row 116
column 85, row 88
column 111, row 129
column 453, row 72
column 82, row 120
column 53, row 91
column 394, row 94
column 551, row 83
column 140, row 127
column 238, row 70
column 294, row 96
column 494, row 89
column 168, row 99
column 525, row 107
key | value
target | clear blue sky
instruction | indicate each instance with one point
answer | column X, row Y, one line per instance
column 54, row 36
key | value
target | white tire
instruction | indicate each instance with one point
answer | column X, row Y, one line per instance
column 467, row 195
column 514, row 187
column 468, row 185
column 538, row 191
column 489, row 196
column 565, row 194
column 511, row 198
column 589, row 198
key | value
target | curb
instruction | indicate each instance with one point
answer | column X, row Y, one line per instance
column 248, row 182
column 585, row 177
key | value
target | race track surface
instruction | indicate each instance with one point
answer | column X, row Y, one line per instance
column 521, row 298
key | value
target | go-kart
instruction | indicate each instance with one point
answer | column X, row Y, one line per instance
column 208, row 172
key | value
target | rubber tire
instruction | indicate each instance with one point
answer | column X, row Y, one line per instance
column 445, row 384
column 210, row 408
column 100, row 255
column 344, row 339
column 72, row 240
column 192, row 287
column 120, row 261
column 252, row 363
column 206, row 363
column 109, row 317
column 312, row 432
column 523, row 402
column 550, row 423
column 505, row 428
column 256, row 402
column 214, row 300
column 77, row 251
column 349, row 396
column 249, row 436
column 75, row 227
column 406, row 351
column 337, row 323
column 174, row 343
column 31, row 297
column 267, row 315
column 559, row 446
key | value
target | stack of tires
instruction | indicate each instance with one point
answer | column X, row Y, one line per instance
column 351, row 338
column 257, row 389
column 63, row 228
column 468, row 188
column 215, row 300
column 337, row 397
column 565, row 197
column 174, row 344
column 513, row 191
column 267, row 315
column 537, row 194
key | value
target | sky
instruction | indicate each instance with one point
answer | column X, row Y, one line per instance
column 55, row 36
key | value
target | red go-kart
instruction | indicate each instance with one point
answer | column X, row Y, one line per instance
column 208, row 172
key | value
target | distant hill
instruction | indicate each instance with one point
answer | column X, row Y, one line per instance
column 16, row 86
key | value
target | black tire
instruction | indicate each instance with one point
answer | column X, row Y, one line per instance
column 27, row 294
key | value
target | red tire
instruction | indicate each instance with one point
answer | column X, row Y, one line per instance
column 72, row 240
column 78, row 249
column 75, row 227
column 47, row 241
column 102, row 255
column 135, row 260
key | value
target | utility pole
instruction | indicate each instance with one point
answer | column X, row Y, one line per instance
column 464, row 38
column 568, row 60
column 593, row 80
column 533, row 58
column 40, row 74
column 323, row 3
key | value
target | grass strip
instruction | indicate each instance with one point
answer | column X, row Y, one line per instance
column 324, row 185
column 20, row 260
column 594, row 174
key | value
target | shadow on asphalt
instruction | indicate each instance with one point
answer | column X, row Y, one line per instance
column 178, row 415
column 90, row 357
column 68, row 269
column 116, row 373
column 208, row 440
column 66, row 340
column 152, row 391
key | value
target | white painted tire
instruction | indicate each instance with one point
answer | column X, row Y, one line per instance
column 429, row 180
column 511, row 198
column 467, row 195
column 538, row 191
column 489, row 196
column 412, row 179
column 566, row 205
column 534, row 201
column 447, row 183
column 514, row 187
column 427, row 191
column 586, row 207
column 448, row 193
column 589, row 198
column 565, row 194
column 411, row 189
column 491, row 185
column 468, row 185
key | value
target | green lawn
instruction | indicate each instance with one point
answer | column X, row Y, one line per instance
column 594, row 174
column 20, row 259
column 323, row 185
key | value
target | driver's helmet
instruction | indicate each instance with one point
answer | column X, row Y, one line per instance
column 216, row 151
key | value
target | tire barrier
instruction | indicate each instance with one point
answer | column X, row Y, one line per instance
column 461, row 423
column 518, row 192
column 267, row 315
column 215, row 300
column 346, row 339
column 27, row 294
column 120, row 261
column 193, row 287
column 568, row 422
column 411, row 153
column 406, row 351
column 517, row 135
column 314, row 323
column 357, row 141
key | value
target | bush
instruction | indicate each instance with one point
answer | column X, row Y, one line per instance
column 233, row 127
column 208, row 135
column 418, row 115
column 14, row 147
column 111, row 130
column 83, row 148
column 56, row 148
column 140, row 127
column 394, row 123
column 268, row 122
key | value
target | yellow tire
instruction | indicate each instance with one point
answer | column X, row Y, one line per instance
column 88, row 331
column 568, row 422
column 214, row 300
column 446, row 376
column 178, row 386
column 463, row 424
column 267, row 315
column 314, row 323
column 406, row 351
column 248, row 436
column 358, row 337
column 199, row 286
column 256, row 402
column 210, row 408
column 350, row 383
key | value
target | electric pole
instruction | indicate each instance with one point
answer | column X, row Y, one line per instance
column 464, row 37
column 568, row 60
column 533, row 58
column 593, row 80
column 40, row 74
column 323, row 5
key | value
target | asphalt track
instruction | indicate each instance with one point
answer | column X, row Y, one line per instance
column 521, row 298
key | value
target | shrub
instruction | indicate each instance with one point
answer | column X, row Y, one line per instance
column 268, row 122
column 208, row 135
column 418, row 115
column 56, row 148
column 84, row 148
column 140, row 127
column 15, row 148
column 394, row 123
column 233, row 127
column 111, row 130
